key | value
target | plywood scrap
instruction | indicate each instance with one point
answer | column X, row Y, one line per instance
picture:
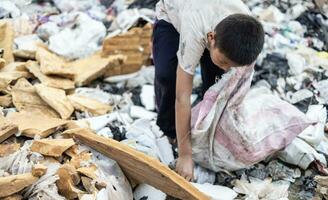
column 39, row 170
column 65, row 183
column 7, row 40
column 51, row 64
column 88, row 184
column 7, row 129
column 49, row 147
column 14, row 66
column 31, row 124
column 88, row 171
column 13, row 197
column 5, row 100
column 51, row 81
column 25, row 98
column 139, row 166
column 12, row 184
column 56, row 98
column 90, row 68
column 86, row 104
column 7, row 149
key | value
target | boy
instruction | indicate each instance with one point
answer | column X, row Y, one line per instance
column 188, row 32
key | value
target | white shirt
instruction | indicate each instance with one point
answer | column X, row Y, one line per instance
column 193, row 19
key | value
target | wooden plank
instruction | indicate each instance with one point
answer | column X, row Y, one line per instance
column 139, row 166
column 7, row 129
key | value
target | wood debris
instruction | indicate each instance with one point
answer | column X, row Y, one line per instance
column 7, row 129
column 14, row 66
column 13, row 197
column 89, row 105
column 25, row 98
column 12, row 184
column 5, row 100
column 66, row 182
column 7, row 149
column 7, row 40
column 2, row 63
column 88, row 171
column 52, row 147
column 51, row 81
column 8, row 77
column 56, row 98
column 133, row 44
column 31, row 124
column 81, row 157
column 39, row 170
column 84, row 74
column 88, row 185
column 51, row 64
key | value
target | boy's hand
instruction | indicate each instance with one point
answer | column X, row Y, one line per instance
column 185, row 167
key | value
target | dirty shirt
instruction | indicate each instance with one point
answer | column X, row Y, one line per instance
column 193, row 19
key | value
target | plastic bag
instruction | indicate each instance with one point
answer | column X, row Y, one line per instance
column 235, row 127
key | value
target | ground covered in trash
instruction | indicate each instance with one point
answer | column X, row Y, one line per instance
column 87, row 64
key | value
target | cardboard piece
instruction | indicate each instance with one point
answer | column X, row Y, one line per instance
column 7, row 40
column 31, row 124
column 39, row 170
column 25, row 98
column 51, row 81
column 91, row 68
column 49, row 147
column 51, row 64
column 88, row 171
column 12, row 184
column 7, row 149
column 55, row 98
column 65, row 183
column 5, row 100
column 7, row 129
column 86, row 104
column 139, row 166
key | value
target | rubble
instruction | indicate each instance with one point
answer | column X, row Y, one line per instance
column 52, row 49
column 48, row 147
column 11, row 184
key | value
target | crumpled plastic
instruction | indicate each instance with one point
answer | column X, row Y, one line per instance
column 216, row 192
column 256, row 189
column 81, row 41
column 150, row 193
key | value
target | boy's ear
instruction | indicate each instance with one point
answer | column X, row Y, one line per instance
column 210, row 36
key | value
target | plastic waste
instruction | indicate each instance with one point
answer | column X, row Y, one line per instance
column 216, row 192
column 144, row 191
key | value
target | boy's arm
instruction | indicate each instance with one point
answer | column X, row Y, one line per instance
column 183, row 112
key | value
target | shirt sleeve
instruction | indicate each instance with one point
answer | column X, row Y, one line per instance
column 192, row 41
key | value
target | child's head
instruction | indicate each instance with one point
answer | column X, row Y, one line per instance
column 236, row 41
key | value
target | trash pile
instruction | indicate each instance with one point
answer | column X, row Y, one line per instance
column 86, row 64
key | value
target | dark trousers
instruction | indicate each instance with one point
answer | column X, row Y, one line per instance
column 165, row 47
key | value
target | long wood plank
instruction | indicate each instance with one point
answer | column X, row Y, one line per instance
column 139, row 166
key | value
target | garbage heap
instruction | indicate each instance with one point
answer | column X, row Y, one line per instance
column 86, row 64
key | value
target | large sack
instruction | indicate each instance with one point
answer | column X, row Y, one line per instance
column 235, row 127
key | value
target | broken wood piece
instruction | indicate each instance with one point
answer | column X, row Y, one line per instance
column 39, row 170
column 88, row 185
column 12, row 184
column 5, row 100
column 81, row 157
column 25, row 98
column 139, row 166
column 8, row 77
column 13, row 197
column 7, row 149
column 88, row 171
column 72, row 151
column 91, row 68
column 7, row 129
column 90, row 105
column 2, row 63
column 56, row 98
column 51, row 81
column 52, row 147
column 7, row 40
column 14, row 66
column 51, row 64
column 65, row 183
column 31, row 124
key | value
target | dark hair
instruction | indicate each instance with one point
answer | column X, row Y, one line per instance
column 240, row 38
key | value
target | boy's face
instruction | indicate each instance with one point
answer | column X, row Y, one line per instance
column 218, row 58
